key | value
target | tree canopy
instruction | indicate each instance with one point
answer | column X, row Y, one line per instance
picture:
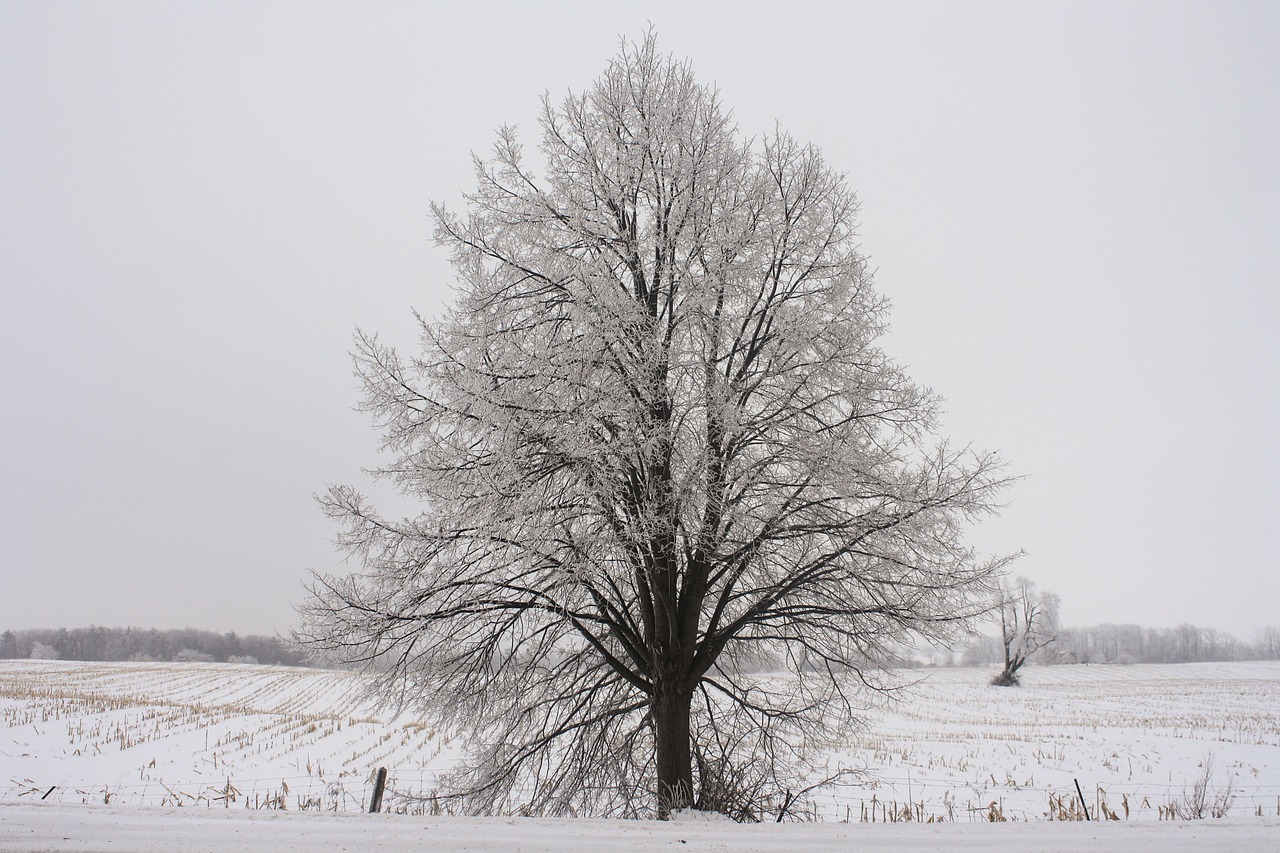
column 674, row 497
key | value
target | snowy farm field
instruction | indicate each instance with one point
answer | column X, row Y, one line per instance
column 1135, row 738
column 145, row 738
column 184, row 734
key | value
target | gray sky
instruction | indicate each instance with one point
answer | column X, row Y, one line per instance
column 1075, row 208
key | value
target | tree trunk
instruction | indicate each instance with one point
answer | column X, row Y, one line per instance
column 1007, row 677
column 672, row 751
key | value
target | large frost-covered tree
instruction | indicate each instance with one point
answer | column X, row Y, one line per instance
column 657, row 452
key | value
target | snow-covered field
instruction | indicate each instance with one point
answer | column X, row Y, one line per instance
column 182, row 734
column 1134, row 737
column 259, row 744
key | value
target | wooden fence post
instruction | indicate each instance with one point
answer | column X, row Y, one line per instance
column 1083, row 804
column 380, row 784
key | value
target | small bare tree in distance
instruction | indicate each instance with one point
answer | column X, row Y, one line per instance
column 657, row 450
column 1028, row 624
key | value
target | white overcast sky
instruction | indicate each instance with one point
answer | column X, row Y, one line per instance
column 1075, row 208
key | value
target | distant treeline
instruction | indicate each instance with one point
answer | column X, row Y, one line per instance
column 1135, row 644
column 138, row 644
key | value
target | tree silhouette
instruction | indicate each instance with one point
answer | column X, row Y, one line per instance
column 657, row 451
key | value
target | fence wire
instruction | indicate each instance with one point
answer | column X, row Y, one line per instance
column 885, row 798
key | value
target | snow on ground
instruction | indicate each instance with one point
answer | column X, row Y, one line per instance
column 101, row 756
column 199, row 733
column 1134, row 737
column 123, row 829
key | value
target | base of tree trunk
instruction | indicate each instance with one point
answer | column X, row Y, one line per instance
column 1006, row 679
column 673, row 754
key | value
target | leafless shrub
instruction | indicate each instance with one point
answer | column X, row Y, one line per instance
column 1203, row 799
